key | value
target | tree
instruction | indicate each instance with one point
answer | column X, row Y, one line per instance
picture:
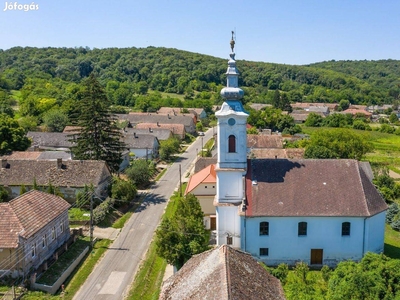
column 344, row 104
column 313, row 120
column 123, row 190
column 12, row 136
column 182, row 235
column 140, row 172
column 55, row 120
column 337, row 143
column 169, row 147
column 99, row 137
column 393, row 118
column 3, row 194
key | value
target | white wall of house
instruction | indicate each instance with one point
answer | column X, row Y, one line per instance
column 375, row 233
column 286, row 246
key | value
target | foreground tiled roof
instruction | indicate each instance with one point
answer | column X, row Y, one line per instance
column 222, row 273
column 207, row 175
column 27, row 214
column 310, row 187
column 73, row 173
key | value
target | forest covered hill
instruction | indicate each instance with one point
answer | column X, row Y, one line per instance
column 126, row 73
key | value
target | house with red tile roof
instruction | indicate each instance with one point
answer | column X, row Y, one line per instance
column 32, row 227
column 202, row 185
column 222, row 273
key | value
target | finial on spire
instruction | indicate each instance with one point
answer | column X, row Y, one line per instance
column 232, row 41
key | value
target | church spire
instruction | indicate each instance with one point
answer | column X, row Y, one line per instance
column 232, row 90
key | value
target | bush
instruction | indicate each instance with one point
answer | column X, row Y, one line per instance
column 102, row 210
column 123, row 191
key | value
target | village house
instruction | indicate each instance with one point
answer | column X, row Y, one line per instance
column 49, row 141
column 178, row 130
column 222, row 273
column 69, row 176
column 134, row 119
column 160, row 133
column 32, row 227
column 142, row 145
column 202, row 184
column 198, row 113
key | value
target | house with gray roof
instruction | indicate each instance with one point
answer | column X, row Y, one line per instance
column 142, row 145
column 222, row 273
column 161, row 134
column 32, row 227
column 50, row 140
column 69, row 176
column 178, row 130
column 137, row 118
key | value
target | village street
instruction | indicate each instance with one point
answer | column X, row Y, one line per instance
column 112, row 277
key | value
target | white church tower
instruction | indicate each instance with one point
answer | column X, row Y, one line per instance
column 232, row 159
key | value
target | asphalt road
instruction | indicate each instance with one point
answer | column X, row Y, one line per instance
column 113, row 275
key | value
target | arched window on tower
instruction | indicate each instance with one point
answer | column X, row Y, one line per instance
column 232, row 143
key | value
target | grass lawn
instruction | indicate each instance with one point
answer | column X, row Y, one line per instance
column 392, row 243
column 64, row 261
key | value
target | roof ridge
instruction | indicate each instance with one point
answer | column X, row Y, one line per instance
column 365, row 202
column 225, row 250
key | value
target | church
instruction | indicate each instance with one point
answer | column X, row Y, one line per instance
column 288, row 210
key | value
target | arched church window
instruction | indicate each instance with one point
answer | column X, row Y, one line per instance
column 232, row 143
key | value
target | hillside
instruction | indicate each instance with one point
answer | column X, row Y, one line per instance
column 128, row 72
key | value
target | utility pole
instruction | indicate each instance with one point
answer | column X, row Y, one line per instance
column 91, row 222
column 180, row 181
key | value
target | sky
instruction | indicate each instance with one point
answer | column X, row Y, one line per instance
column 278, row 31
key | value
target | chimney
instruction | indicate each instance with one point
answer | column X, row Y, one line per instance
column 169, row 116
column 158, row 124
column 59, row 163
column 4, row 164
column 135, row 136
column 149, row 129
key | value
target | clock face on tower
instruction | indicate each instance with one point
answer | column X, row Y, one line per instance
column 231, row 121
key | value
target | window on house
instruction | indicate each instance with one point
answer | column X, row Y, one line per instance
column 264, row 228
column 229, row 240
column 232, row 144
column 302, row 228
column 61, row 227
column 346, row 228
column 44, row 241
column 33, row 250
column 264, row 251
column 53, row 233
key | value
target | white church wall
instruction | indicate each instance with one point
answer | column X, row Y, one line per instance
column 286, row 246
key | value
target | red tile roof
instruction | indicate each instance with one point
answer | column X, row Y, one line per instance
column 27, row 214
column 325, row 187
column 222, row 273
column 207, row 175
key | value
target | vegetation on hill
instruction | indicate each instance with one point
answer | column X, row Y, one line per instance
column 50, row 76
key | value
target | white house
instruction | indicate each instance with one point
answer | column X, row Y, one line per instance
column 202, row 184
column 281, row 210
